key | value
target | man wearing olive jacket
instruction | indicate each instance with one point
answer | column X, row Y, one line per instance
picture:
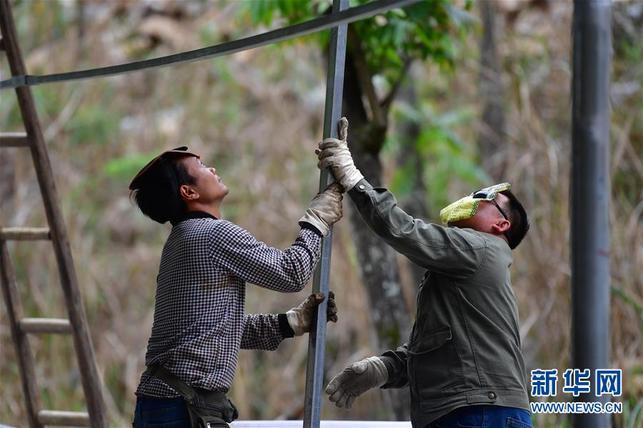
column 463, row 362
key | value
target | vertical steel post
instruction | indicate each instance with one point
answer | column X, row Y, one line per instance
column 590, row 195
column 332, row 114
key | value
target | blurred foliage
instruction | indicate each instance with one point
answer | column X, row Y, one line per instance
column 420, row 31
column 446, row 155
column 295, row 11
column 94, row 124
column 629, row 71
column 43, row 23
column 633, row 413
column 630, row 300
column 124, row 168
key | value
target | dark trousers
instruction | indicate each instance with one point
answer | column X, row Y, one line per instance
column 484, row 417
column 161, row 413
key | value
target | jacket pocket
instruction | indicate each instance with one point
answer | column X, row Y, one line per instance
column 430, row 340
column 434, row 364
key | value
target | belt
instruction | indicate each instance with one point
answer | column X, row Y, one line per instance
column 200, row 401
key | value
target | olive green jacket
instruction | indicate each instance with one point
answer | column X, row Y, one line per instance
column 465, row 345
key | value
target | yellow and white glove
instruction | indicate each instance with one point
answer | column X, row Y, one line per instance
column 356, row 379
column 325, row 209
column 333, row 153
column 301, row 317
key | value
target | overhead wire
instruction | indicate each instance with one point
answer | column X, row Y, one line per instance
column 274, row 36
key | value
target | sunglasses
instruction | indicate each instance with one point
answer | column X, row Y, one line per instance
column 489, row 194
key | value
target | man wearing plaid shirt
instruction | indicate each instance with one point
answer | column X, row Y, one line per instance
column 199, row 320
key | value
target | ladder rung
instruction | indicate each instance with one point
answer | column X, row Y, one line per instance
column 24, row 233
column 13, row 139
column 45, row 325
column 59, row 418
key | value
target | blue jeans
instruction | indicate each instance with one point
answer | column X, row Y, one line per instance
column 161, row 413
column 484, row 417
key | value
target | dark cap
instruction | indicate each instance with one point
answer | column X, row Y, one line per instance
column 176, row 153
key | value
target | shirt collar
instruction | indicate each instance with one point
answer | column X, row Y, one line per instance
column 192, row 214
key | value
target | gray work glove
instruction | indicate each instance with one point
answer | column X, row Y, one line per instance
column 333, row 153
column 301, row 317
column 325, row 209
column 356, row 379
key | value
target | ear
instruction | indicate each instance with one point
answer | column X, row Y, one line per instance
column 188, row 193
column 501, row 226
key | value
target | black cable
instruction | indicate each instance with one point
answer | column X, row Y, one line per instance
column 251, row 42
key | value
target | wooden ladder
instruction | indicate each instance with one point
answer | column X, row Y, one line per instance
column 21, row 327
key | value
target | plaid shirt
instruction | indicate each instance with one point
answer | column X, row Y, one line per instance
column 199, row 321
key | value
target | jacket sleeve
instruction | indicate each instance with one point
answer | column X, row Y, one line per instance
column 255, row 262
column 446, row 250
column 396, row 364
column 264, row 331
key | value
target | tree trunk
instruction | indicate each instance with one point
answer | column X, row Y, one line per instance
column 492, row 135
column 377, row 261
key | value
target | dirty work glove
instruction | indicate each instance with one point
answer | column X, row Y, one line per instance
column 301, row 317
column 325, row 209
column 333, row 153
column 356, row 379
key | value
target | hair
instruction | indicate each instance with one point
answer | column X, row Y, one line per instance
column 158, row 196
column 518, row 219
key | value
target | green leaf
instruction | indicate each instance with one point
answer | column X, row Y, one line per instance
column 429, row 29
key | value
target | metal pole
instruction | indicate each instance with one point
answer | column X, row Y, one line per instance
column 590, row 195
column 332, row 114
